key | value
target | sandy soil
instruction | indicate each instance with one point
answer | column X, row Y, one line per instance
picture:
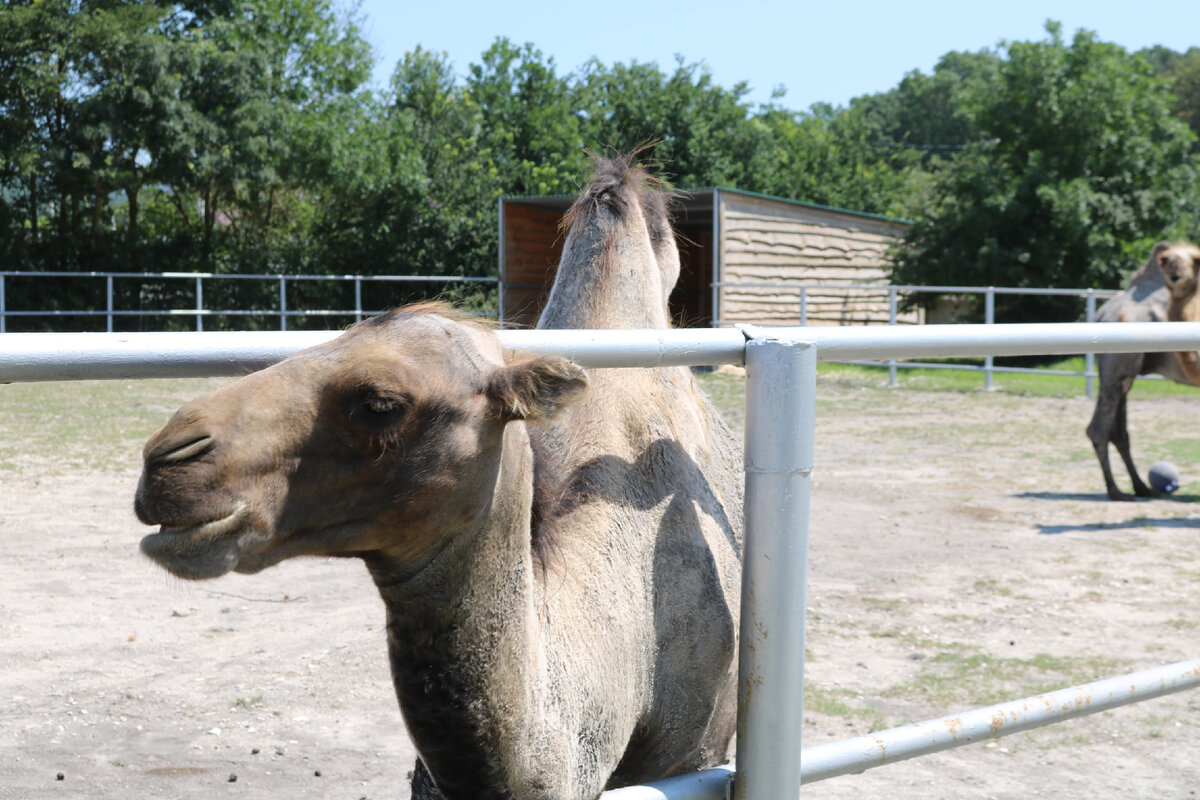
column 961, row 554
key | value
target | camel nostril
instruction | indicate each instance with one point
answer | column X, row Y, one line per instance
column 173, row 451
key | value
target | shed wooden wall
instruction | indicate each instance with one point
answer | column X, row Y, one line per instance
column 770, row 241
column 532, row 248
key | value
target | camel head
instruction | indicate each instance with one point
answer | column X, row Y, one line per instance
column 619, row 252
column 385, row 441
column 1179, row 263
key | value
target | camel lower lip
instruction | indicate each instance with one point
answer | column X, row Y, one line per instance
column 205, row 530
column 203, row 550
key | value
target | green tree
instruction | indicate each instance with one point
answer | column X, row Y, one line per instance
column 418, row 192
column 1184, row 75
column 827, row 156
column 926, row 112
column 701, row 133
column 127, row 104
column 36, row 53
column 1080, row 166
column 252, row 77
column 528, row 123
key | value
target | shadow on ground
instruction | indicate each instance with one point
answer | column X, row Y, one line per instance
column 1129, row 524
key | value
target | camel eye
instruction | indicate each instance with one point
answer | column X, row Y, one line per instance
column 382, row 405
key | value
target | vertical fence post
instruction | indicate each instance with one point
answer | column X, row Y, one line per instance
column 3, row 308
column 358, row 312
column 282, row 303
column 803, row 306
column 199, row 303
column 1089, row 359
column 108, row 290
column 892, row 305
column 989, row 318
column 781, row 386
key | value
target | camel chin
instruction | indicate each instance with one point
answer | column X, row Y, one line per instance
column 206, row 549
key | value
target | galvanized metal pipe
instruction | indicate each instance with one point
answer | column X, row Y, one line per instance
column 856, row 755
column 79, row 356
column 941, row 341
column 781, row 385
column 893, row 309
column 1089, row 359
column 199, row 305
column 921, row 738
column 989, row 318
column 708, row 784
column 98, row 356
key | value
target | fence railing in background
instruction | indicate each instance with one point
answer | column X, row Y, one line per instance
column 895, row 293
column 111, row 311
column 110, row 308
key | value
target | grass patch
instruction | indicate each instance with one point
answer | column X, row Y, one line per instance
column 1022, row 384
column 97, row 425
column 1179, row 450
column 834, row 703
column 973, row 678
column 891, row 605
column 992, row 586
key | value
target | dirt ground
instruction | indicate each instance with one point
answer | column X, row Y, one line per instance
column 961, row 554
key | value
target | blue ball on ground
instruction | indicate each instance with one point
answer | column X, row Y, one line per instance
column 1164, row 477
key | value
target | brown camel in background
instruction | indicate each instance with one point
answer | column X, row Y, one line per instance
column 1150, row 297
column 558, row 553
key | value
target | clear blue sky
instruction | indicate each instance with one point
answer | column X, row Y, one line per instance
column 821, row 51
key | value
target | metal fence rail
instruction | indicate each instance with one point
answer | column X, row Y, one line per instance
column 199, row 312
column 281, row 310
column 780, row 389
column 896, row 292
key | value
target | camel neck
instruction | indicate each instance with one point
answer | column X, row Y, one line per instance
column 459, row 631
column 607, row 278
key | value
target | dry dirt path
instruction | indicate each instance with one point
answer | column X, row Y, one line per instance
column 961, row 554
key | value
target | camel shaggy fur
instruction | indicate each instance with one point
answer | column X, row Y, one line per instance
column 558, row 552
column 1163, row 289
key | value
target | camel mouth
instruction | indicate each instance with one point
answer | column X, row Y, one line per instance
column 204, row 549
column 211, row 529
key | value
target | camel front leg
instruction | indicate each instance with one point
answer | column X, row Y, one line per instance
column 1120, row 439
column 1103, row 429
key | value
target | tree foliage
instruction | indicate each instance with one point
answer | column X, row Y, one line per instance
column 1078, row 166
column 241, row 136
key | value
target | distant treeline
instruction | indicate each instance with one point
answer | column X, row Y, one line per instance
column 240, row 136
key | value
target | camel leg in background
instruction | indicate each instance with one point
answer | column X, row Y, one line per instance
column 1110, row 410
column 1120, row 439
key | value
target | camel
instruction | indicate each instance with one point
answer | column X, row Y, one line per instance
column 1163, row 289
column 558, row 552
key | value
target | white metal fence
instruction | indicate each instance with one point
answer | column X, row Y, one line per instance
column 895, row 293
column 108, row 307
column 780, row 424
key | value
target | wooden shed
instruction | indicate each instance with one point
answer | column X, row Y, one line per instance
column 745, row 258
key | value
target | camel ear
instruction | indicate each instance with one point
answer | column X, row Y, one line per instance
column 536, row 388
